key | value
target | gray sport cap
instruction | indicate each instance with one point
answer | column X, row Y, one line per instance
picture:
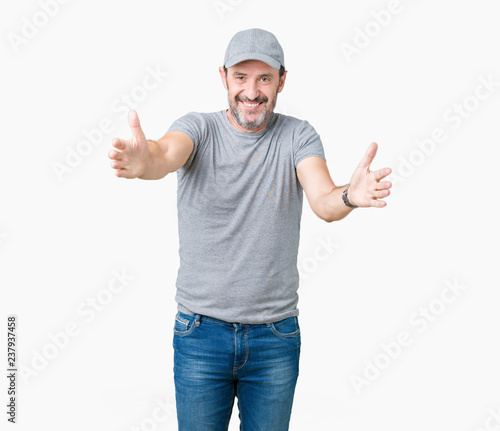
column 254, row 44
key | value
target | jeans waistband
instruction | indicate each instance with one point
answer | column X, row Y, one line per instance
column 200, row 318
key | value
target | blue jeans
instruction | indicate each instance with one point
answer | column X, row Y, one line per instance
column 214, row 361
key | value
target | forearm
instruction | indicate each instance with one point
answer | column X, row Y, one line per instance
column 332, row 207
column 156, row 165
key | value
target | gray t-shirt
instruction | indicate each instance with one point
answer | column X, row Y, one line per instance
column 239, row 207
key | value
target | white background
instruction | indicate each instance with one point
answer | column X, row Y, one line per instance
column 62, row 237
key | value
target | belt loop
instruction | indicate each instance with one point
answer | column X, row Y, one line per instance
column 197, row 319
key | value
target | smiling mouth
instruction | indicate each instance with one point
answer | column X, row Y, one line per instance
column 250, row 106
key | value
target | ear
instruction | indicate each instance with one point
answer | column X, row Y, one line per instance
column 223, row 77
column 282, row 82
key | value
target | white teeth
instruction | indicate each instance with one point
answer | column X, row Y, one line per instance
column 250, row 105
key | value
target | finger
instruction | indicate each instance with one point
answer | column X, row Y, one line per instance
column 116, row 165
column 382, row 173
column 369, row 156
column 383, row 185
column 381, row 194
column 377, row 203
column 135, row 126
column 124, row 173
column 115, row 155
column 119, row 144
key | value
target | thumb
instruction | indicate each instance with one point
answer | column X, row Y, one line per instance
column 135, row 126
column 369, row 156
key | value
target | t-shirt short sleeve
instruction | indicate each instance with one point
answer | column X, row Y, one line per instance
column 308, row 143
column 194, row 125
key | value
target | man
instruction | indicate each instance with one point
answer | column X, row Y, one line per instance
column 241, row 174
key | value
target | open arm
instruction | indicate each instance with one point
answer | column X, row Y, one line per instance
column 325, row 198
column 147, row 159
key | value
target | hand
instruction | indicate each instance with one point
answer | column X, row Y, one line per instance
column 131, row 156
column 366, row 190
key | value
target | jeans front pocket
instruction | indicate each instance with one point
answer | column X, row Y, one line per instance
column 184, row 323
column 286, row 328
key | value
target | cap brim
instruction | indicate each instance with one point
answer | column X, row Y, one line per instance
column 260, row 57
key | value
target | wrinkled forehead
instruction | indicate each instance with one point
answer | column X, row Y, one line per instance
column 253, row 67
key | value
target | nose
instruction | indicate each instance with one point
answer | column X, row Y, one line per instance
column 252, row 90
